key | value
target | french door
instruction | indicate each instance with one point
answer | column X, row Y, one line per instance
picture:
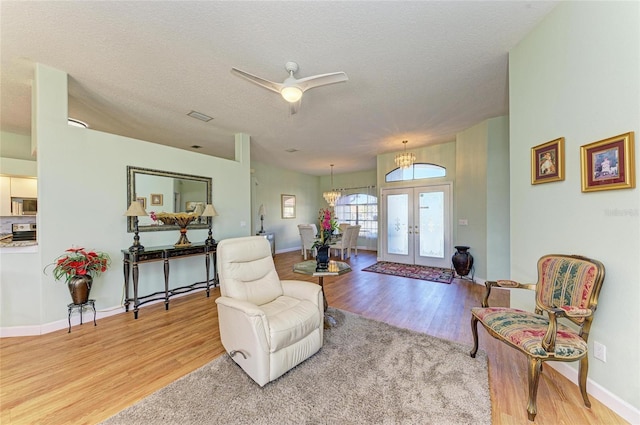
column 417, row 225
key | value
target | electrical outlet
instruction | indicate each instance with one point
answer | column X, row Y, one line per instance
column 599, row 351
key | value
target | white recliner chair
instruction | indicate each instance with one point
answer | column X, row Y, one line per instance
column 267, row 325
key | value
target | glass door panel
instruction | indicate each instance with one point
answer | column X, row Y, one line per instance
column 398, row 225
column 434, row 238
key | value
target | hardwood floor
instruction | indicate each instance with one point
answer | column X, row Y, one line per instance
column 94, row 372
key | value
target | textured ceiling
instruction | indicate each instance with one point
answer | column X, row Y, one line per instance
column 419, row 71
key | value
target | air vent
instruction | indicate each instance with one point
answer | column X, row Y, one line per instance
column 200, row 116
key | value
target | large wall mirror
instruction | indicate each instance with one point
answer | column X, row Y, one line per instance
column 164, row 191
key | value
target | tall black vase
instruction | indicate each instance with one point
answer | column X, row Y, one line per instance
column 322, row 258
column 462, row 260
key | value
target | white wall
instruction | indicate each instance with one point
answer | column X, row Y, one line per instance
column 268, row 184
column 82, row 198
column 577, row 76
column 482, row 195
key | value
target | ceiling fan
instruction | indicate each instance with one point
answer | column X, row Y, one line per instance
column 292, row 88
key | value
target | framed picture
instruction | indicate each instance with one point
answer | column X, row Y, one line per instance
column 547, row 162
column 142, row 200
column 156, row 199
column 608, row 164
column 194, row 206
column 288, row 206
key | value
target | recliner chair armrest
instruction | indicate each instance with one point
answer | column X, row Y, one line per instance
column 301, row 290
column 244, row 306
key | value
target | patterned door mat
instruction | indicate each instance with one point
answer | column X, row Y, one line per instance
column 432, row 274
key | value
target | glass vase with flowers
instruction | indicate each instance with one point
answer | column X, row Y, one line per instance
column 78, row 266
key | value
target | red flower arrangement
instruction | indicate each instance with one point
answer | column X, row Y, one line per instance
column 80, row 262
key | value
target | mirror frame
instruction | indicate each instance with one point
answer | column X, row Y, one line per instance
column 131, row 190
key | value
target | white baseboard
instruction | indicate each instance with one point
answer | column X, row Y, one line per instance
column 87, row 319
column 625, row 410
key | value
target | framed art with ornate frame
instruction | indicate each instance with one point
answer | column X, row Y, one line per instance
column 608, row 164
column 547, row 162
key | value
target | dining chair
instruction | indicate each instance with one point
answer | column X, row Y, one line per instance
column 307, row 239
column 349, row 240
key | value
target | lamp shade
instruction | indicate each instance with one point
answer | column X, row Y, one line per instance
column 135, row 210
column 262, row 210
column 209, row 211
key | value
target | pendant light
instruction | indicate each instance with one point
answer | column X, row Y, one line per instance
column 405, row 159
column 331, row 196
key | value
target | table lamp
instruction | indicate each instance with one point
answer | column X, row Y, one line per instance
column 209, row 211
column 136, row 210
column 262, row 211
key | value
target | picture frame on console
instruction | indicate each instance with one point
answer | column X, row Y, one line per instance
column 547, row 162
column 608, row 164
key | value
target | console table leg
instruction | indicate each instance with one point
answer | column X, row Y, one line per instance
column 207, row 262
column 166, row 283
column 69, row 320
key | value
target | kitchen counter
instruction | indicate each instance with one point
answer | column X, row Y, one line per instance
column 10, row 243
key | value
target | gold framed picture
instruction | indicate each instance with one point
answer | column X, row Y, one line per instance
column 547, row 162
column 156, row 199
column 142, row 200
column 608, row 164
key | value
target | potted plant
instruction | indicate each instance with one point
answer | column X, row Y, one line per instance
column 328, row 224
column 77, row 267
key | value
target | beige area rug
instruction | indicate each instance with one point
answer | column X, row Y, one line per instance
column 366, row 373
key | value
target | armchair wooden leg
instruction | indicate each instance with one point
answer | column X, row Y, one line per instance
column 474, row 332
column 582, row 379
column 535, row 366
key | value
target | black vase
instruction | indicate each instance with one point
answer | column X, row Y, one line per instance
column 462, row 260
column 79, row 288
column 322, row 258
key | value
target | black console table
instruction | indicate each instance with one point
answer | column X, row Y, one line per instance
column 165, row 254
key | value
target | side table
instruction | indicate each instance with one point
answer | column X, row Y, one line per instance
column 336, row 268
column 272, row 240
column 81, row 307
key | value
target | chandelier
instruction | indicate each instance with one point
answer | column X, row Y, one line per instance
column 405, row 159
column 331, row 196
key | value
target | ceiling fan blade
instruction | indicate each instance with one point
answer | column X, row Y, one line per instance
column 321, row 80
column 269, row 85
column 294, row 107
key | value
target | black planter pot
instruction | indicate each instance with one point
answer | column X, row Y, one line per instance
column 322, row 258
column 462, row 260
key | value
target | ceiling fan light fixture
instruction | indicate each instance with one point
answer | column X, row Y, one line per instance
column 405, row 159
column 291, row 94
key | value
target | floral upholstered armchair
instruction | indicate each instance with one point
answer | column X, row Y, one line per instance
column 568, row 287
